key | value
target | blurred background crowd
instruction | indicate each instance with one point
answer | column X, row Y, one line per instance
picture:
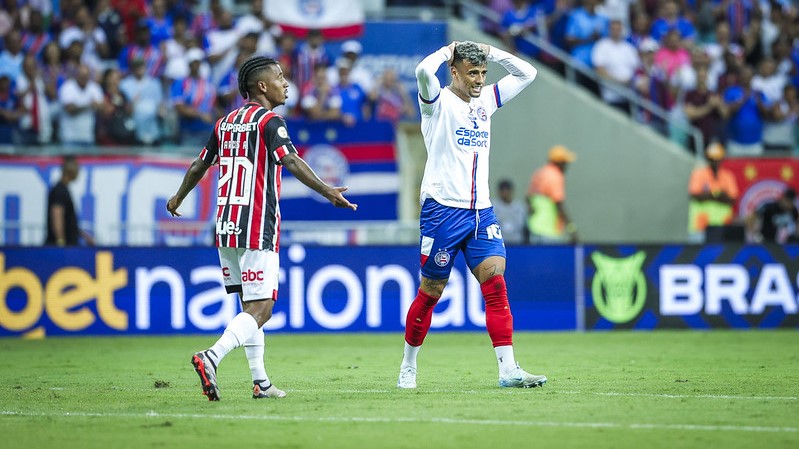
column 136, row 72
column 146, row 72
column 727, row 67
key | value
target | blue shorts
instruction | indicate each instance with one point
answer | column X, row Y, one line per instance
column 448, row 230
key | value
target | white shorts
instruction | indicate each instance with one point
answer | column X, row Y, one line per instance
column 253, row 272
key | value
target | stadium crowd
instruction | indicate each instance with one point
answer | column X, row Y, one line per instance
column 729, row 67
column 122, row 72
column 159, row 71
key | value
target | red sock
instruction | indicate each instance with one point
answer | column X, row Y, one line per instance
column 420, row 315
column 499, row 320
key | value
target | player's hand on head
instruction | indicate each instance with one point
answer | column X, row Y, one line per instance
column 172, row 206
column 337, row 199
column 451, row 48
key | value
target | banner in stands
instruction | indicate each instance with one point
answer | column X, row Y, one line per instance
column 400, row 46
column 337, row 19
column 70, row 291
column 697, row 287
column 762, row 180
column 360, row 157
column 120, row 200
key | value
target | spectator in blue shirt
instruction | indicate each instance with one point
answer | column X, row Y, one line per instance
column 11, row 57
column 227, row 93
column 144, row 94
column 194, row 98
column 144, row 49
column 640, row 29
column 670, row 18
column 310, row 55
column 738, row 13
column 517, row 23
column 558, row 20
column 746, row 112
column 35, row 37
column 10, row 110
column 159, row 23
column 354, row 101
column 584, row 28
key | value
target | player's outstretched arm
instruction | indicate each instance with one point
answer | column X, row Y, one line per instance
column 193, row 175
column 429, row 86
column 520, row 73
column 307, row 176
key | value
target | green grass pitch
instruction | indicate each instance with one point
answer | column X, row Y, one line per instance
column 686, row 389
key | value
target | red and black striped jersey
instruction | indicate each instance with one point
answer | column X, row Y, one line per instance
column 248, row 145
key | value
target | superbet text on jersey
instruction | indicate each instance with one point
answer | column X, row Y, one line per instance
column 248, row 145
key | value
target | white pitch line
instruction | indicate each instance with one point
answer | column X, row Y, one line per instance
column 595, row 393
column 548, row 389
column 686, row 396
column 387, row 420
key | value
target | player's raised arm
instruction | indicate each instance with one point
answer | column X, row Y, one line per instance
column 429, row 85
column 520, row 74
column 306, row 175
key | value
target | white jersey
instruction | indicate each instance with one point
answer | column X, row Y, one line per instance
column 457, row 134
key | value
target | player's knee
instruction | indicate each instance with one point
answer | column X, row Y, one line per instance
column 265, row 316
column 489, row 268
column 433, row 287
column 261, row 311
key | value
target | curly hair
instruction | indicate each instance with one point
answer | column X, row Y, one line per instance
column 469, row 51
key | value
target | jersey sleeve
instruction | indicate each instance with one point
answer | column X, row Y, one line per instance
column 427, row 81
column 520, row 75
column 277, row 137
column 210, row 153
column 59, row 196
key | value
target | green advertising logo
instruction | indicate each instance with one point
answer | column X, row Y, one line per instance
column 619, row 286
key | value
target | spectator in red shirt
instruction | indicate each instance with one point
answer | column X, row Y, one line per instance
column 705, row 109
column 391, row 99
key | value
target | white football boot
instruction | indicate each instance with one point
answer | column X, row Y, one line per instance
column 519, row 378
column 407, row 377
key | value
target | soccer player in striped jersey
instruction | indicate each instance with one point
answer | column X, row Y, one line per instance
column 251, row 145
column 456, row 211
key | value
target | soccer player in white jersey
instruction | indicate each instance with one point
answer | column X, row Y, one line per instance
column 456, row 211
column 251, row 146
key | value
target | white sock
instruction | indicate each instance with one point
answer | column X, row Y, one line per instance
column 239, row 330
column 254, row 349
column 409, row 356
column 505, row 359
